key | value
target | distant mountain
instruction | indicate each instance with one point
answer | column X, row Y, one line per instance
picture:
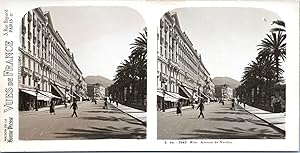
column 98, row 79
column 226, row 80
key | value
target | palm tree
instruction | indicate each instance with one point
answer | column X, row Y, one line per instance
column 139, row 58
column 280, row 24
column 132, row 70
column 273, row 45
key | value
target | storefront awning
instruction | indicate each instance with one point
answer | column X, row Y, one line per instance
column 159, row 93
column 58, row 91
column 178, row 96
column 205, row 95
column 70, row 95
column 43, row 97
column 186, row 92
column 76, row 94
column 169, row 97
column 32, row 93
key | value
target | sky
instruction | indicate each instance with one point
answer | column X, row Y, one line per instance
column 99, row 37
column 226, row 38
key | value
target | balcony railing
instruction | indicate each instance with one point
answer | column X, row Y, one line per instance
column 36, row 76
column 25, row 71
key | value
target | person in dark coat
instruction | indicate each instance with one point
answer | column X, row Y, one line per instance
column 52, row 109
column 201, row 109
column 232, row 104
column 178, row 108
column 75, row 107
column 105, row 103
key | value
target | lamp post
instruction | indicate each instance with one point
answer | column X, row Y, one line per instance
column 163, row 81
column 71, row 83
column 37, row 88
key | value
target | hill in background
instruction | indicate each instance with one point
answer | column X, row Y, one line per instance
column 98, row 79
column 226, row 80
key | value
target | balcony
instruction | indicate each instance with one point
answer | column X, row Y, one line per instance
column 172, row 63
column 36, row 76
column 46, row 63
column 25, row 71
column 45, row 78
column 172, row 79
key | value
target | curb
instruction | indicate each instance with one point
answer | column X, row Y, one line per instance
column 143, row 123
column 270, row 124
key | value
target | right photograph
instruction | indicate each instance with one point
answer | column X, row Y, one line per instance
column 221, row 74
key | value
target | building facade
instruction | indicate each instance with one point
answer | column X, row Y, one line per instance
column 47, row 69
column 96, row 91
column 181, row 74
column 224, row 92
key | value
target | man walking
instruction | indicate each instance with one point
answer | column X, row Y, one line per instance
column 201, row 109
column 75, row 107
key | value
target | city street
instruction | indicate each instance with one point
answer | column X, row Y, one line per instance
column 220, row 122
column 93, row 122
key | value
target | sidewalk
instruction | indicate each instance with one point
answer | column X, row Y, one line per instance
column 47, row 108
column 174, row 109
column 276, row 120
column 135, row 113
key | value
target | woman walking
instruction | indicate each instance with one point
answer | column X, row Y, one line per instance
column 52, row 109
column 75, row 107
column 178, row 109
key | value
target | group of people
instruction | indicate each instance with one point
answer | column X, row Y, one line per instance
column 200, row 107
column 73, row 105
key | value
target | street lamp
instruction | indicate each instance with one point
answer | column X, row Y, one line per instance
column 37, row 88
column 71, row 83
column 163, row 81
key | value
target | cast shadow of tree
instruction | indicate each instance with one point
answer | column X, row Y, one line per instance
column 113, row 119
column 233, row 133
column 240, row 120
column 109, row 132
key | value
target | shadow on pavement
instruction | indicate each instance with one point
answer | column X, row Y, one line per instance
column 233, row 112
column 108, row 132
column 104, row 111
column 239, row 120
column 233, row 133
column 112, row 118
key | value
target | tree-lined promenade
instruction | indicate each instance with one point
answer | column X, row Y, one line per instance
column 262, row 82
column 130, row 82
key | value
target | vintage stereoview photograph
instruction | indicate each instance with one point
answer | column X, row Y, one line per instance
column 221, row 74
column 82, row 73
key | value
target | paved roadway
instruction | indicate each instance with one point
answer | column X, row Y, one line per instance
column 220, row 122
column 93, row 122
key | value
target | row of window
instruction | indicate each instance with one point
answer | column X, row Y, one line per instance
column 51, row 50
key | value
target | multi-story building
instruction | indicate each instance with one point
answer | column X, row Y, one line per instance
column 181, row 74
column 96, row 91
column 47, row 69
column 224, row 92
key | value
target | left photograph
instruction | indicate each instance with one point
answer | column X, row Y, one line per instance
column 82, row 73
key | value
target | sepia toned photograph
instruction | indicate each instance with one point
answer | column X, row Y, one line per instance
column 82, row 73
column 221, row 74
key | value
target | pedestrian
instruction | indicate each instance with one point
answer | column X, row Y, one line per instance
column 117, row 102
column 232, row 104
column 65, row 104
column 244, row 104
column 178, row 108
column 105, row 103
column 52, row 105
column 75, row 107
column 201, row 109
